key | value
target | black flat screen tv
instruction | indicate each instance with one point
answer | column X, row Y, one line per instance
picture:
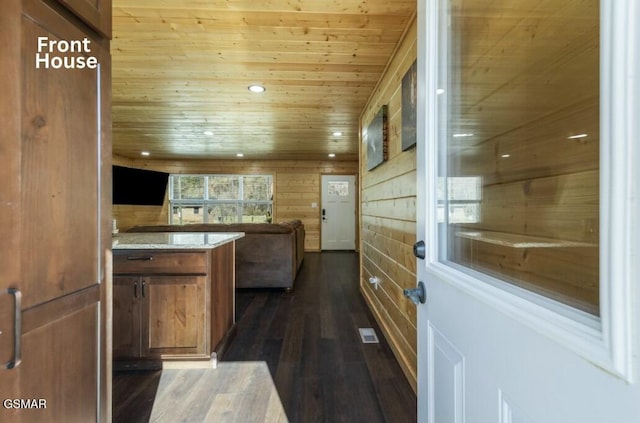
column 139, row 186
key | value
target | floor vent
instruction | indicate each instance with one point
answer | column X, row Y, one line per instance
column 368, row 336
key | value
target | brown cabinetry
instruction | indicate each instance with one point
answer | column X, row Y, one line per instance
column 54, row 219
column 173, row 315
column 155, row 316
column 96, row 13
column 127, row 316
column 170, row 305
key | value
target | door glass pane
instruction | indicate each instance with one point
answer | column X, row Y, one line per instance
column 519, row 145
column 338, row 188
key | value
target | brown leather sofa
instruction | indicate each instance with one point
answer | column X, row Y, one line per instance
column 268, row 256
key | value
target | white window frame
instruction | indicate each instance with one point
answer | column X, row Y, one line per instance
column 610, row 340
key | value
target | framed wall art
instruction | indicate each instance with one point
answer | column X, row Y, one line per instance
column 377, row 139
column 409, row 103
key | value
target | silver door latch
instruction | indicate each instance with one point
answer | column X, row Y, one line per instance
column 417, row 295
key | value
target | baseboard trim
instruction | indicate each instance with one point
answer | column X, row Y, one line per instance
column 409, row 372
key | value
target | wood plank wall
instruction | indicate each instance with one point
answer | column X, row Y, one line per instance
column 388, row 216
column 296, row 187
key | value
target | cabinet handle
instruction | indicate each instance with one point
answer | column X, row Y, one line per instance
column 138, row 258
column 17, row 329
column 144, row 284
column 135, row 289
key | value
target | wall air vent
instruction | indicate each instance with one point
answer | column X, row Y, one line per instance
column 368, row 336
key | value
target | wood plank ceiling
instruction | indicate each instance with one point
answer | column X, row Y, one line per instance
column 181, row 71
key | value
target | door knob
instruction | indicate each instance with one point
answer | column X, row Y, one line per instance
column 417, row 295
column 419, row 249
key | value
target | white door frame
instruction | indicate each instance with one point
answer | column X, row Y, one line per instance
column 610, row 342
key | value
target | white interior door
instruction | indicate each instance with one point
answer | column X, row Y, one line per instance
column 338, row 212
column 528, row 189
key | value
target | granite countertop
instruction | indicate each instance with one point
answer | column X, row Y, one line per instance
column 173, row 240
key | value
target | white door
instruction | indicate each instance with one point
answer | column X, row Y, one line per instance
column 529, row 205
column 338, row 212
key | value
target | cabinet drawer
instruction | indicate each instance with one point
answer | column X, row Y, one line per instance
column 154, row 262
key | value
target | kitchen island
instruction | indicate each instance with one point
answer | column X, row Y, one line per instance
column 173, row 298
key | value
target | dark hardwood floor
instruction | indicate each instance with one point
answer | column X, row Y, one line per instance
column 296, row 357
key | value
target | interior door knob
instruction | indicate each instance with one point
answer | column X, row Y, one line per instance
column 417, row 295
column 419, row 249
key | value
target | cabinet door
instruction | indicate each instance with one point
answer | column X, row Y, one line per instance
column 222, row 293
column 96, row 13
column 173, row 315
column 55, row 137
column 126, row 316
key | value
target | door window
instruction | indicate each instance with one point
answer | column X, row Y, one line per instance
column 338, row 188
column 518, row 192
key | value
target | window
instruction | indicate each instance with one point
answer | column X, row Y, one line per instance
column 220, row 199
column 338, row 188
column 519, row 162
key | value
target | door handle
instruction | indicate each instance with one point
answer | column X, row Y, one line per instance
column 17, row 329
column 417, row 295
column 143, row 258
column 419, row 249
column 324, row 212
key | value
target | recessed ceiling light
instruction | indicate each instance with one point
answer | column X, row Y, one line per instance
column 239, row 155
column 257, row 88
column 337, row 134
column 504, row 156
column 462, row 135
column 145, row 153
column 332, row 155
column 575, row 137
column 208, row 133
